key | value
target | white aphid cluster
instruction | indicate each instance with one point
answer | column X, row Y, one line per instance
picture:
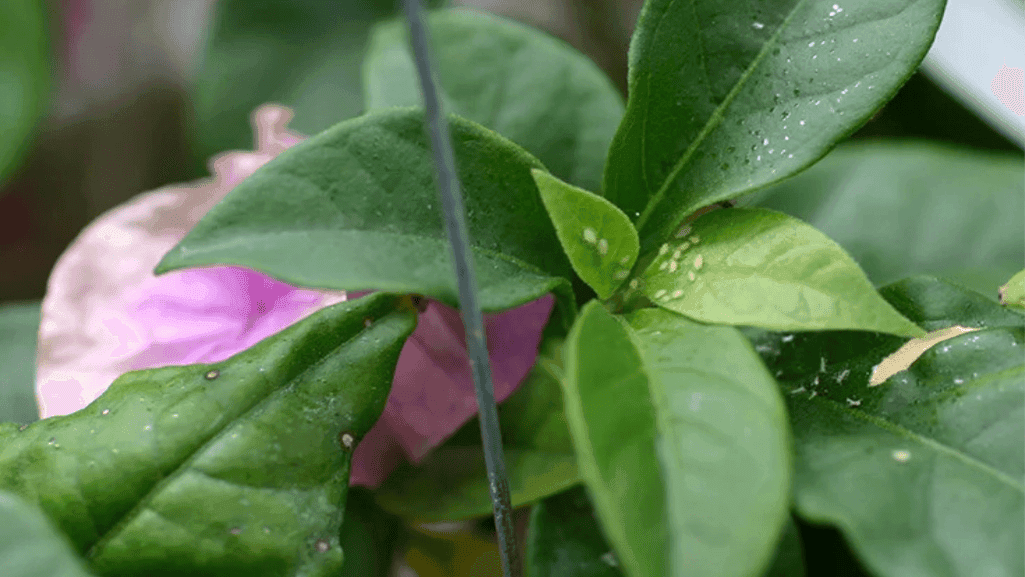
column 671, row 259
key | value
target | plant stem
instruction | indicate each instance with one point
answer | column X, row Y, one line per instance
column 473, row 320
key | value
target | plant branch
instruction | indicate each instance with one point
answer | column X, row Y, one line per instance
column 455, row 222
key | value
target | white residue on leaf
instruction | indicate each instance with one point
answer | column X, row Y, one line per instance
column 590, row 235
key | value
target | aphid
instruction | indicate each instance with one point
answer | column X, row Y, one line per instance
column 590, row 236
column 698, row 262
column 690, row 275
column 660, row 293
column 603, row 246
column 663, row 249
column 853, row 403
column 672, row 266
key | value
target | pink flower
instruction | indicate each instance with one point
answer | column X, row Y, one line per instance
column 105, row 314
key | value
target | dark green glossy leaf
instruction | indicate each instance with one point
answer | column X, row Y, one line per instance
column 24, row 78
column 239, row 467
column 729, row 96
column 925, row 473
column 306, row 55
column 531, row 88
column 936, row 304
column 906, row 208
column 565, row 539
column 30, row 546
column 452, row 483
column 660, row 406
column 355, row 207
column 789, row 559
column 19, row 328
column 368, row 536
column 597, row 237
column 751, row 266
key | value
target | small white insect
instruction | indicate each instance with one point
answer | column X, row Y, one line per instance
column 603, row 246
column 822, row 364
column 813, row 394
column 672, row 266
column 800, row 389
column 677, row 253
column 842, row 376
column 695, row 239
column 624, row 261
column 660, row 293
column 677, row 294
column 698, row 262
column 685, row 246
column 690, row 275
column 787, row 338
column 621, row 274
column 816, row 381
column 664, row 265
column 853, row 403
column 684, row 231
column 901, row 455
column 663, row 249
column 634, row 283
column 590, row 235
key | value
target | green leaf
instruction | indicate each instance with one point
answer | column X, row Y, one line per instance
column 306, row 55
column 241, row 465
column 729, row 96
column 925, row 473
column 1012, row 294
column 936, row 304
column 598, row 238
column 789, row 559
column 535, row 90
column 750, row 266
column 355, row 208
column 368, row 536
column 25, row 78
column 907, row 208
column 30, row 546
column 565, row 539
column 663, row 406
column 451, row 484
column 19, row 328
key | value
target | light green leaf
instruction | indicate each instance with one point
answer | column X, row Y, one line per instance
column 19, row 329
column 750, row 266
column 925, row 473
column 356, row 208
column 914, row 207
column 30, row 546
column 233, row 468
column 1012, row 294
column 451, row 484
column 598, row 238
column 726, row 96
column 659, row 406
column 25, row 78
column 534, row 89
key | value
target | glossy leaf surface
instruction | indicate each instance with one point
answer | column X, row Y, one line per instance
column 728, row 96
column 534, row 89
column 565, row 539
column 661, row 406
column 597, row 237
column 30, row 546
column 238, row 467
column 356, row 207
column 305, row 55
column 925, row 473
column 25, row 63
column 19, row 328
column 452, row 484
column 750, row 266
column 907, row 208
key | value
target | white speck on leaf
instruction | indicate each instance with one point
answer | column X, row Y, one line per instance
column 690, row 275
column 677, row 293
column 853, row 403
column 603, row 246
column 590, row 236
column 901, row 455
column 660, row 293
column 695, row 239
column 698, row 261
column 672, row 266
column 663, row 249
